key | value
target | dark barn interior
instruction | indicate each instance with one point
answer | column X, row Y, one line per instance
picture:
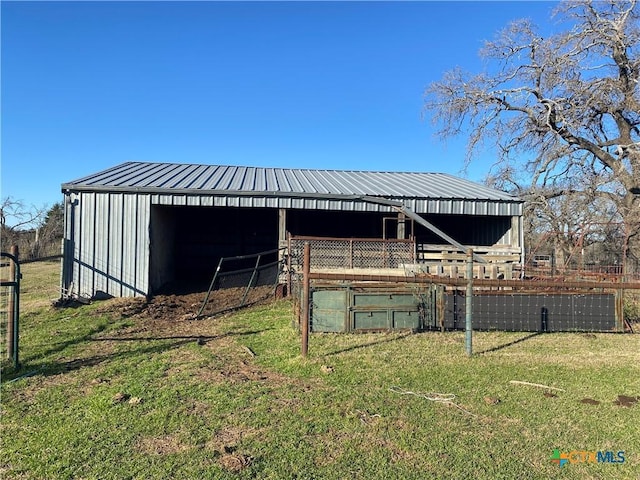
column 466, row 229
column 187, row 242
column 335, row 223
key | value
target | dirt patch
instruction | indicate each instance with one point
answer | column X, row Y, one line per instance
column 174, row 307
column 196, row 408
column 621, row 401
column 235, row 462
column 625, row 401
column 164, row 445
column 165, row 323
column 244, row 371
column 183, row 307
column 225, row 444
column 187, row 306
column 227, row 438
column 228, row 299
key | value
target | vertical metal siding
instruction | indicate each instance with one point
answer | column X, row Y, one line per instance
column 116, row 222
column 77, row 230
column 129, row 241
column 143, row 211
column 101, row 243
column 107, row 244
column 87, row 241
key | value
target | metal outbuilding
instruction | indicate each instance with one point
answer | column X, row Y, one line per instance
column 133, row 229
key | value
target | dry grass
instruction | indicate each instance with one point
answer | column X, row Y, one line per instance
column 40, row 285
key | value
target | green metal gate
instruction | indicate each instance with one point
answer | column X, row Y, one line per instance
column 359, row 309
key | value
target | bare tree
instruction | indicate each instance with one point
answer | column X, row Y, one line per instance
column 16, row 215
column 562, row 113
column 35, row 230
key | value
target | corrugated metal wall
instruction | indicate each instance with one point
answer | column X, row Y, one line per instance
column 443, row 206
column 106, row 244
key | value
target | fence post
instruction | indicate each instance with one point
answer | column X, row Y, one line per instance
column 468, row 303
column 289, row 273
column 621, row 323
column 306, row 268
column 16, row 314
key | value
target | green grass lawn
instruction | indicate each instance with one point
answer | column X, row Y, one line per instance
column 114, row 396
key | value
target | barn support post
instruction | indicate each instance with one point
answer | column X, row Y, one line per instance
column 468, row 304
column 283, row 237
column 401, row 229
column 306, row 269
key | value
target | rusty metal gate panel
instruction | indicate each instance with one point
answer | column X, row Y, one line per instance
column 432, row 305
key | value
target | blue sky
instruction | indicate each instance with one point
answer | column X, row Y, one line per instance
column 336, row 85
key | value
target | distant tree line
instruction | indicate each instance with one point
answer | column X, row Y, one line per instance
column 36, row 231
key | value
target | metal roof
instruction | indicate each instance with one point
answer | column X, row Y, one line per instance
column 167, row 178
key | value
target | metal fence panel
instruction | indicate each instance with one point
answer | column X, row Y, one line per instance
column 353, row 253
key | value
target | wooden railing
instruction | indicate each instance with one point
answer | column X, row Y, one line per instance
column 448, row 261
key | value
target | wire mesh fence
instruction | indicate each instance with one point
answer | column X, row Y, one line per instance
column 535, row 310
column 353, row 252
column 241, row 281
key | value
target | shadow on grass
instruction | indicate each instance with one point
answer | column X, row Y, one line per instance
column 172, row 342
column 506, row 345
column 59, row 346
column 370, row 344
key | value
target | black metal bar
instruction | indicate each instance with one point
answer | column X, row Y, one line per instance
column 206, row 298
column 253, row 276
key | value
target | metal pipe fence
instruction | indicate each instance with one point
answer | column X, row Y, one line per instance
column 357, row 302
column 241, row 281
column 10, row 277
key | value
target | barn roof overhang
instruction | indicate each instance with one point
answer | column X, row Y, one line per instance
column 227, row 186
